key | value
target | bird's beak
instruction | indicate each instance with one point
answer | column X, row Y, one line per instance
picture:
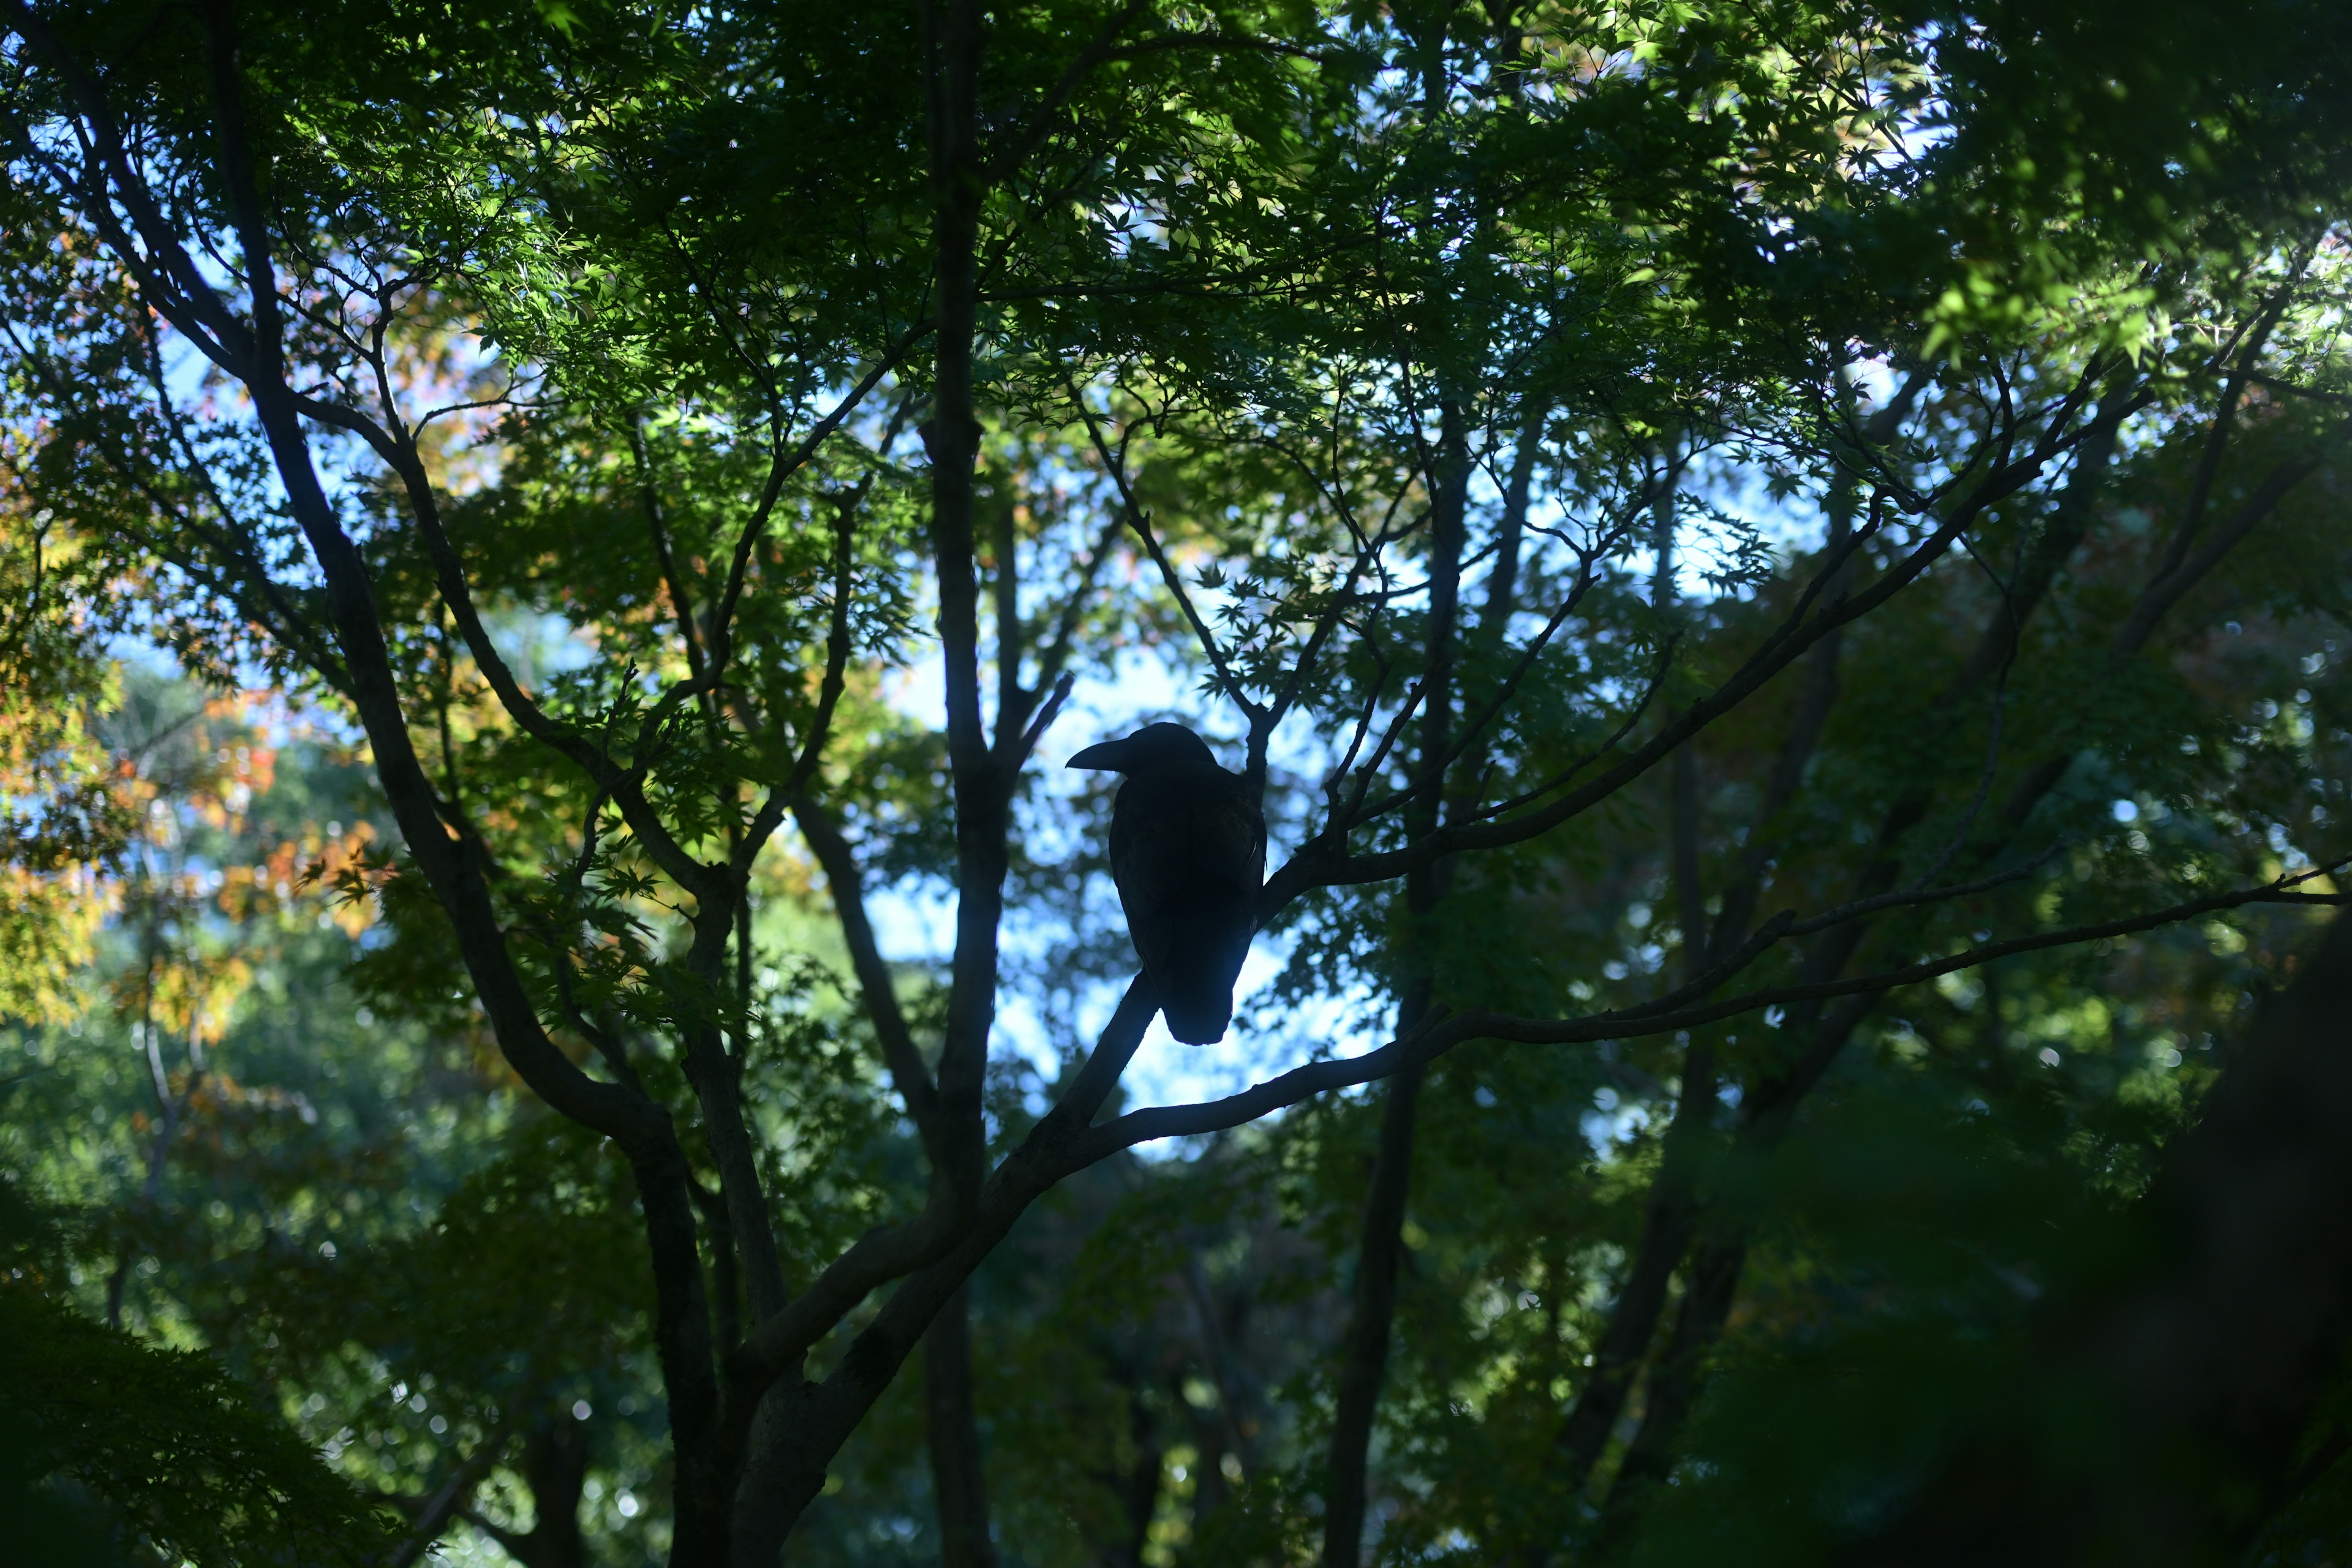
column 1110, row 755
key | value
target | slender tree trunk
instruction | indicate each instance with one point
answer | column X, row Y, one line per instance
column 953, row 38
column 454, row 867
column 168, row 1112
column 957, row 1479
column 433, row 1514
column 798, row 1427
column 555, row 1470
column 1139, row 1488
column 1365, row 1353
column 1363, row 1363
column 1673, row 1210
column 954, row 33
column 1709, row 1286
column 555, row 1466
column 1713, row 1277
column 1667, row 1230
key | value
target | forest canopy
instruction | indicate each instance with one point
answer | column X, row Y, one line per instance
column 1775, row 569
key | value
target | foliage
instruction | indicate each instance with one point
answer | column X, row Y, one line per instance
column 1777, row 565
column 174, row 1450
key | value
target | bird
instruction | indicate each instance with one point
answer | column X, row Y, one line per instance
column 1188, row 853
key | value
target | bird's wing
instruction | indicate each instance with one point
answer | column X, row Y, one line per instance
column 1148, row 861
column 1184, row 825
column 1228, row 836
column 1186, row 846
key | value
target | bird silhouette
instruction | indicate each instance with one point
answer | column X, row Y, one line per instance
column 1188, row 852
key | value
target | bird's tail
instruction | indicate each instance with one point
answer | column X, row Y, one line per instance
column 1196, row 989
column 1198, row 1019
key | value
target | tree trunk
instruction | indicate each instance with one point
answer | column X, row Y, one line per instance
column 957, row 1479
column 1138, row 1485
column 555, row 1464
column 1642, row 1300
column 1364, row 1361
column 556, row 1469
column 1673, row 1194
column 2187, row 1370
column 1709, row 1286
column 1713, row 1280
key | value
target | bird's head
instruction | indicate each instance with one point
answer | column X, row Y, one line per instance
column 1147, row 747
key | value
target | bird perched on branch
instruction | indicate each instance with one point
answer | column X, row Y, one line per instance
column 1188, row 852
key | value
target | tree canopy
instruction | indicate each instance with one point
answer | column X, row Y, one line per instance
column 1778, row 569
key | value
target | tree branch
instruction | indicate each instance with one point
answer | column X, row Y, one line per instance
column 1441, row 1035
